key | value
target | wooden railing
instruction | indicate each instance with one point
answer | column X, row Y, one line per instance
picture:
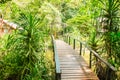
column 56, row 60
column 93, row 56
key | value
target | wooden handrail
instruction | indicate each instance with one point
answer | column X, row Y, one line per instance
column 56, row 59
column 93, row 52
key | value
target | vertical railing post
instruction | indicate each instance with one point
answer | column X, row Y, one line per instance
column 58, row 76
column 65, row 38
column 56, row 61
column 90, row 60
column 69, row 40
column 73, row 43
column 53, row 46
column 80, row 48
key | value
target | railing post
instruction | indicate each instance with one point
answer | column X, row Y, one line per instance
column 74, row 44
column 53, row 47
column 58, row 76
column 90, row 63
column 80, row 48
column 65, row 38
column 69, row 40
column 56, row 60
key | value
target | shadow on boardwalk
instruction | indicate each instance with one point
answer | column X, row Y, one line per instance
column 72, row 65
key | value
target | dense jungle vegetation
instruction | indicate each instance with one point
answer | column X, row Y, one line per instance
column 26, row 53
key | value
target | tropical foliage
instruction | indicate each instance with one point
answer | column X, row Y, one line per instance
column 22, row 53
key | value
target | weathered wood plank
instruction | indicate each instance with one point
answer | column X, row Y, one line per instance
column 72, row 65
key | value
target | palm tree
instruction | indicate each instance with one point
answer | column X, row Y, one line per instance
column 111, row 28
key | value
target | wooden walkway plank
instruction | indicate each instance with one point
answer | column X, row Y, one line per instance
column 72, row 65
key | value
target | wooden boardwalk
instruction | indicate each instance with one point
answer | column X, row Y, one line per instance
column 73, row 66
